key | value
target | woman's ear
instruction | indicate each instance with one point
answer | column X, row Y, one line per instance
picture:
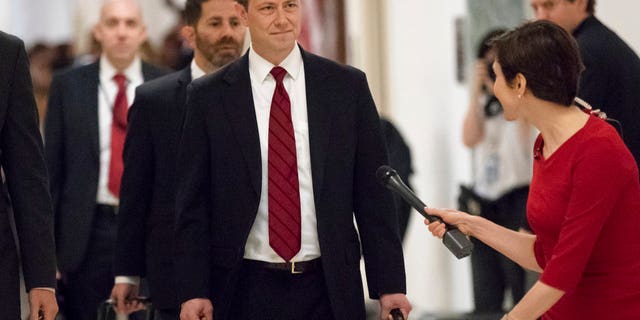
column 520, row 84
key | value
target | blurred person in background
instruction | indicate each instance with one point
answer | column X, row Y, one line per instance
column 84, row 133
column 41, row 59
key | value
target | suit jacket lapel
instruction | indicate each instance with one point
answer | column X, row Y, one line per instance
column 90, row 96
column 319, row 117
column 238, row 105
column 181, row 95
column 181, row 86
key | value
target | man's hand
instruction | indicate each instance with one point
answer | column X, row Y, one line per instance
column 42, row 304
column 197, row 309
column 392, row 301
column 124, row 297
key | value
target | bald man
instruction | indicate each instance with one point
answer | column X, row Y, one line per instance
column 84, row 134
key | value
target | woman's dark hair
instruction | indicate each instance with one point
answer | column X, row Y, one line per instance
column 546, row 55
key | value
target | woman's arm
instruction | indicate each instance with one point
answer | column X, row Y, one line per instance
column 514, row 245
column 537, row 301
column 473, row 128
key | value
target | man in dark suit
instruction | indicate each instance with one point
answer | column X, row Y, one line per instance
column 278, row 154
column 84, row 137
column 147, row 201
column 23, row 191
column 612, row 69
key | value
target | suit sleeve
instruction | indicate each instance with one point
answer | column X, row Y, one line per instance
column 54, row 142
column 374, row 208
column 26, row 173
column 136, row 190
column 192, row 233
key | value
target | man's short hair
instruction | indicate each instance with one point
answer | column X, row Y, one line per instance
column 244, row 3
column 193, row 11
column 591, row 6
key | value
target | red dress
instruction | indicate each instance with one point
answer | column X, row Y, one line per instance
column 584, row 207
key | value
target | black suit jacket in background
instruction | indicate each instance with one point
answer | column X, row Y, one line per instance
column 218, row 196
column 147, row 194
column 611, row 79
column 22, row 160
column 72, row 149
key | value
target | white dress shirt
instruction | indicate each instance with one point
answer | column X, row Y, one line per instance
column 196, row 71
column 262, row 86
column 107, row 90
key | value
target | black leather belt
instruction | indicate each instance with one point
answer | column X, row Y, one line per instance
column 293, row 267
column 106, row 209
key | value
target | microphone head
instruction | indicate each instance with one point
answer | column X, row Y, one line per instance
column 384, row 173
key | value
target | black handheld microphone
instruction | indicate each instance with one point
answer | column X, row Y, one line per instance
column 453, row 239
column 396, row 314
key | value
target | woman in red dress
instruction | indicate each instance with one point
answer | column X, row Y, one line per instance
column 584, row 200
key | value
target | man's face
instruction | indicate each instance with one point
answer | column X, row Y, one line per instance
column 274, row 26
column 120, row 31
column 564, row 13
column 219, row 34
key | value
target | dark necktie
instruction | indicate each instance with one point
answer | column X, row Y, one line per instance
column 118, row 133
column 284, row 194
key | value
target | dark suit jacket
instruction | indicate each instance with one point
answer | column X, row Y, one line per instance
column 219, row 192
column 147, row 195
column 25, row 179
column 73, row 157
column 611, row 79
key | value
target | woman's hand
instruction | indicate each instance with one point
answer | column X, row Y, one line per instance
column 462, row 220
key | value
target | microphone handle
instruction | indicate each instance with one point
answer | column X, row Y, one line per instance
column 456, row 241
column 411, row 198
column 396, row 314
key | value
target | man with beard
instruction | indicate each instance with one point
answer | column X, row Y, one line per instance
column 146, row 217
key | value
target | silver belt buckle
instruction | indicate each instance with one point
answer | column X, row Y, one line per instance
column 293, row 268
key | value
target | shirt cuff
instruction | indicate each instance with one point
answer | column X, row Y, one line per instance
column 45, row 288
column 133, row 280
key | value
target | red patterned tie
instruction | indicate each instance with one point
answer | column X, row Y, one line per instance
column 118, row 133
column 284, row 195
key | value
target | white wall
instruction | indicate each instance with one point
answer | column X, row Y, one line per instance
column 428, row 105
column 412, row 42
column 37, row 20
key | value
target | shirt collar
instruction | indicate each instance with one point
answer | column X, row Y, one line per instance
column 132, row 72
column 261, row 68
column 196, row 71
